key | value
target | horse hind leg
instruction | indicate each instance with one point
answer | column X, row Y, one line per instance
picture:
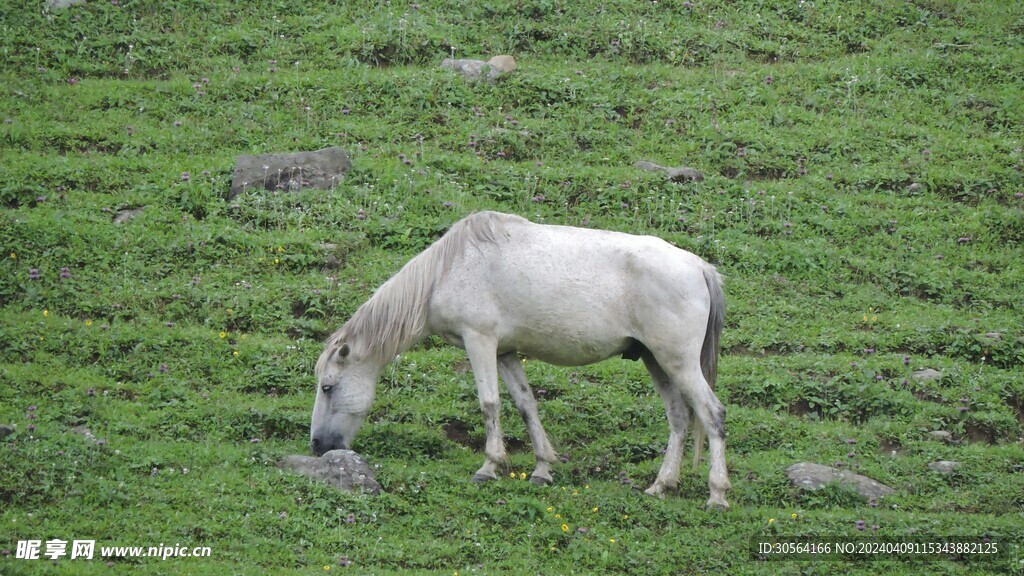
column 512, row 373
column 678, row 413
column 691, row 385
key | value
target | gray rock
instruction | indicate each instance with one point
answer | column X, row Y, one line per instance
column 927, row 375
column 947, row 467
column 343, row 469
column 477, row 69
column 321, row 169
column 62, row 4
column 810, row 476
column 5, row 431
column 681, row 174
column 126, row 215
column 86, row 433
column 940, row 436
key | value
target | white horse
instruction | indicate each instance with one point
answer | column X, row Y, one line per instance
column 497, row 285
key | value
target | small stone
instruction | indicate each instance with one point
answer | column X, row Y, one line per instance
column 86, row 433
column 321, row 169
column 62, row 4
column 343, row 469
column 126, row 215
column 927, row 375
column 940, row 436
column 503, row 63
column 946, row 467
column 810, row 476
column 477, row 69
column 681, row 174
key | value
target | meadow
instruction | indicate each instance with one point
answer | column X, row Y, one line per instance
column 863, row 195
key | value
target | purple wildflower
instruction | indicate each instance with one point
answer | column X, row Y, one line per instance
column 185, row 176
column 92, row 392
column 31, row 428
column 860, row 524
column 360, row 214
column 33, row 274
column 65, row 273
column 343, row 561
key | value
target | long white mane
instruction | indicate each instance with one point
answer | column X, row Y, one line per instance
column 395, row 317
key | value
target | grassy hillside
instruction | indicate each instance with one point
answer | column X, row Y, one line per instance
column 863, row 195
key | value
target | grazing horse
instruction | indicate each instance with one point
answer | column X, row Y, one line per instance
column 498, row 285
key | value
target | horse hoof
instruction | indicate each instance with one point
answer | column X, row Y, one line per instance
column 481, row 478
column 540, row 481
column 656, row 491
column 718, row 506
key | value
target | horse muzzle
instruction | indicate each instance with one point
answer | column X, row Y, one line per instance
column 320, row 445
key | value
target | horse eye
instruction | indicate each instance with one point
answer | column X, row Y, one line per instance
column 327, row 388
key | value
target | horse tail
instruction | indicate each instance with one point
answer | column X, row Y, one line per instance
column 712, row 345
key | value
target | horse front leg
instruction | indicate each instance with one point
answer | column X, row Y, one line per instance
column 511, row 370
column 482, row 352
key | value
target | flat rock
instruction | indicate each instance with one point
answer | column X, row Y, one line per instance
column 62, row 4
column 947, row 467
column 86, row 433
column 5, row 431
column 927, row 375
column 343, row 469
column 477, row 69
column 681, row 174
column 810, row 476
column 321, row 169
column 126, row 215
column 940, row 436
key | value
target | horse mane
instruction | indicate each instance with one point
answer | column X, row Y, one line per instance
column 395, row 317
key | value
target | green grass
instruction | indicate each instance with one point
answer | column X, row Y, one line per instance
column 863, row 189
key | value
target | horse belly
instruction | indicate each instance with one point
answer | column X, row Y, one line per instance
column 564, row 349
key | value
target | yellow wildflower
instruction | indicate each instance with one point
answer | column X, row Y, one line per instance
column 235, row 353
column 771, row 520
column 88, row 322
column 223, row 334
column 595, row 509
column 558, row 516
column 522, row 475
column 46, row 313
column 565, row 528
column 14, row 256
column 551, row 509
column 612, row 540
column 794, row 516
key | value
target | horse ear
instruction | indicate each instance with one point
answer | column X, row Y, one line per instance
column 343, row 351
